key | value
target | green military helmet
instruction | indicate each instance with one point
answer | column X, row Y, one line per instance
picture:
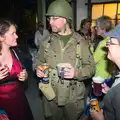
column 60, row 8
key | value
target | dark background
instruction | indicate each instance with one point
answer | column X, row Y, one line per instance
column 19, row 11
column 23, row 13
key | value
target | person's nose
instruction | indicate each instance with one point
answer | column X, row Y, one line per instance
column 107, row 45
column 51, row 21
column 16, row 36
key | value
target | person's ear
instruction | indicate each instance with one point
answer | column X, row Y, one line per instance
column 65, row 21
column 1, row 38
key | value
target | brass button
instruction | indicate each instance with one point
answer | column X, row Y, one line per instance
column 70, row 84
column 54, row 74
column 75, row 83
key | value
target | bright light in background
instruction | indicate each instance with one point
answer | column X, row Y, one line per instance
column 97, row 11
column 109, row 9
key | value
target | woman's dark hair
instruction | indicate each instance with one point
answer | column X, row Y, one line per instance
column 83, row 22
column 4, row 27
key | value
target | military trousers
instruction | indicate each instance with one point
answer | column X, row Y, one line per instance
column 70, row 111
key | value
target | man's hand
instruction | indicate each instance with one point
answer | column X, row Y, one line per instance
column 39, row 72
column 69, row 72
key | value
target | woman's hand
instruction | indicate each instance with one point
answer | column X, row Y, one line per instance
column 23, row 75
column 97, row 115
column 105, row 88
column 4, row 72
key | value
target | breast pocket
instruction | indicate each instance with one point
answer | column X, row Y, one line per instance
column 50, row 57
column 71, row 57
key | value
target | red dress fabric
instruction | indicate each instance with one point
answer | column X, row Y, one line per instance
column 12, row 96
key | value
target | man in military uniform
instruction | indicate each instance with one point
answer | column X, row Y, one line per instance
column 65, row 46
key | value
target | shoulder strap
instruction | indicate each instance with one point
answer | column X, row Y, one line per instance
column 78, row 62
column 16, row 53
column 50, row 38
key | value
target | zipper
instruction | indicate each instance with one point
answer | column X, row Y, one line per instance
column 63, row 48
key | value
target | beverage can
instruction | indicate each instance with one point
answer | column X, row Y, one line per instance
column 94, row 104
column 45, row 68
column 3, row 115
column 109, row 82
column 45, row 80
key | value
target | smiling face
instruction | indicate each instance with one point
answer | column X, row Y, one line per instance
column 113, row 46
column 9, row 39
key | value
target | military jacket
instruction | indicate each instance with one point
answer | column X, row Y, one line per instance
column 53, row 52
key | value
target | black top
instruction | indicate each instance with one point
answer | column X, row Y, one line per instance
column 112, row 104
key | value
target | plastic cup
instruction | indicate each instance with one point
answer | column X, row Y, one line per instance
column 97, row 88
